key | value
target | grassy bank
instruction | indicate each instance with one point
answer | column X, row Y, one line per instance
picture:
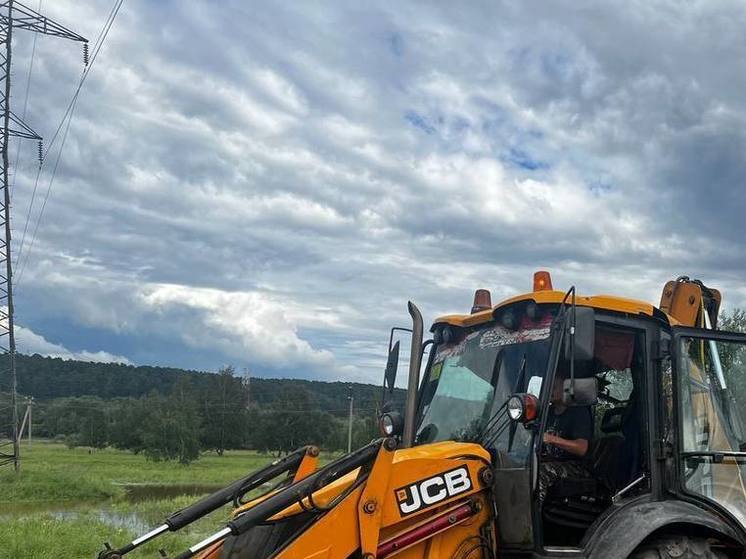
column 51, row 471
column 45, row 537
column 67, row 502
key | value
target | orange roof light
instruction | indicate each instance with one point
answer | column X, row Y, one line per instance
column 482, row 301
column 542, row 281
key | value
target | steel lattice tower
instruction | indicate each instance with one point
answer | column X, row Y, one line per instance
column 13, row 15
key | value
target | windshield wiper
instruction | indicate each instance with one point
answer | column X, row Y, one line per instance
column 521, row 374
column 496, row 419
column 518, row 382
column 495, row 426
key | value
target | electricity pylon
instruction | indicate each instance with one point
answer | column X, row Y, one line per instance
column 14, row 15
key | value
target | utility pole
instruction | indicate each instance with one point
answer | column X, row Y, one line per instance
column 30, row 409
column 26, row 420
column 351, row 399
column 14, row 15
column 247, row 384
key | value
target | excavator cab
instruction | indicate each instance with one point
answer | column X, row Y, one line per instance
column 492, row 383
column 657, row 396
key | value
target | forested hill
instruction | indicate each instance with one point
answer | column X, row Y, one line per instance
column 46, row 378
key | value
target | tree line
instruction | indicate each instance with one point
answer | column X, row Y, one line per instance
column 184, row 421
column 46, row 378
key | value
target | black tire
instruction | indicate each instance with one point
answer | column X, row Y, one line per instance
column 678, row 547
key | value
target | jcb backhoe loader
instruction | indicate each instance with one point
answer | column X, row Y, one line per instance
column 457, row 472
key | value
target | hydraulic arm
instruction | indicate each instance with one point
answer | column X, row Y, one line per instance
column 290, row 495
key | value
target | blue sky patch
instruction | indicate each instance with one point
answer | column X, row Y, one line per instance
column 419, row 121
column 396, row 43
column 523, row 160
column 599, row 187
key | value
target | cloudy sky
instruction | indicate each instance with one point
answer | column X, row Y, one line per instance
column 267, row 184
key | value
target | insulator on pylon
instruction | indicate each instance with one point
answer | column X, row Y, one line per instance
column 41, row 152
column 85, row 53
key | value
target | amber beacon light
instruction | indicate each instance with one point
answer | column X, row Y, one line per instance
column 482, row 300
column 542, row 281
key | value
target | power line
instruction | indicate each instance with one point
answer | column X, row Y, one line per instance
column 68, row 115
column 25, row 105
column 43, row 205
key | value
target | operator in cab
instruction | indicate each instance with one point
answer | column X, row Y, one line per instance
column 567, row 438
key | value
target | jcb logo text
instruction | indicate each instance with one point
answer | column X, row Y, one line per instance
column 432, row 490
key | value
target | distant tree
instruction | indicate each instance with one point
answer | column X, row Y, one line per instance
column 733, row 322
column 223, row 410
column 93, row 426
column 282, row 431
column 170, row 427
column 733, row 356
column 126, row 424
column 82, row 421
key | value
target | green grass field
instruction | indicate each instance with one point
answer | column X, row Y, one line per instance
column 52, row 471
column 66, row 503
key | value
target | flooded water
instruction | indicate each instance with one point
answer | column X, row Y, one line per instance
column 116, row 519
column 138, row 492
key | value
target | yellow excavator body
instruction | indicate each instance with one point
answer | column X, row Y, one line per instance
column 424, row 497
column 404, row 491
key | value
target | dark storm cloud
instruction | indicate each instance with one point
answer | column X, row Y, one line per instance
column 268, row 184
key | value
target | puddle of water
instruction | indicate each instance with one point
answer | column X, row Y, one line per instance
column 134, row 493
column 102, row 511
column 138, row 492
column 127, row 520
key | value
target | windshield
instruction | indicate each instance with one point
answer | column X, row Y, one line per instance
column 713, row 403
column 470, row 378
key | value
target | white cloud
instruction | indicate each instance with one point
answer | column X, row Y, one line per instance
column 29, row 342
column 244, row 325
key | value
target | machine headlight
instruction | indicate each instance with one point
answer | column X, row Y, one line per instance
column 387, row 425
column 391, row 424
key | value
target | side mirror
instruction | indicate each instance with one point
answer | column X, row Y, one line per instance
column 523, row 408
column 389, row 376
column 584, row 337
column 584, row 393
